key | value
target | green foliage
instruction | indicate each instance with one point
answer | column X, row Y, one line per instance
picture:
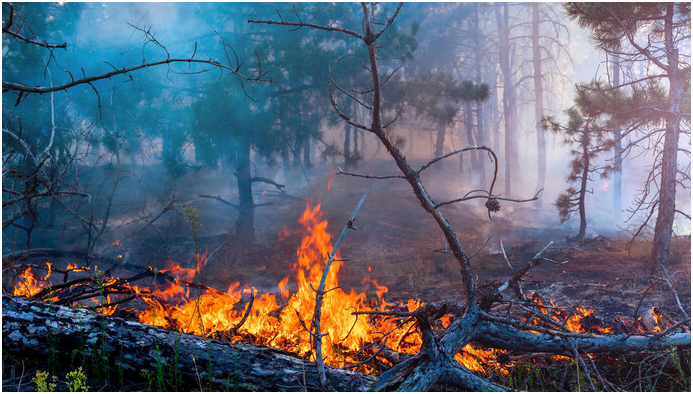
column 149, row 376
column 76, row 381
column 41, row 382
column 176, row 380
column 610, row 23
column 587, row 134
column 121, row 372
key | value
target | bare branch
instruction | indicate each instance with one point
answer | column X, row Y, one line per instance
column 304, row 24
column 34, row 41
column 17, row 87
column 340, row 171
column 320, row 292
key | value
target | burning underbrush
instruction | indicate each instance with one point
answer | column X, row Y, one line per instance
column 370, row 334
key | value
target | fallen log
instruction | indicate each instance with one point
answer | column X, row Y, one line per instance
column 41, row 331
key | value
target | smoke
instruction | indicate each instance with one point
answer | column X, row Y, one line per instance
column 153, row 108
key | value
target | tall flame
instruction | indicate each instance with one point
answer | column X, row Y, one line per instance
column 287, row 324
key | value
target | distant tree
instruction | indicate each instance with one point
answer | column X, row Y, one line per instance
column 549, row 42
column 435, row 97
column 656, row 105
column 587, row 135
column 69, row 131
column 512, row 153
column 472, row 96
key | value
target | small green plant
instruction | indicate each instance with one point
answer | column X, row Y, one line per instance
column 209, row 368
column 76, row 381
column 149, row 375
column 121, row 374
column 53, row 358
column 159, row 367
column 176, row 380
column 41, row 382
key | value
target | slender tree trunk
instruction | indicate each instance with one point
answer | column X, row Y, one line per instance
column 286, row 162
column 618, row 147
column 245, row 231
column 469, row 125
column 297, row 153
column 538, row 103
column 480, row 132
column 347, row 146
column 440, row 141
column 667, row 185
column 494, row 116
column 583, row 187
column 307, row 162
column 355, row 151
column 512, row 162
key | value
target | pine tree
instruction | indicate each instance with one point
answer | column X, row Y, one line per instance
column 656, row 35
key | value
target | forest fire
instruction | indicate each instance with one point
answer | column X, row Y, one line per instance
column 284, row 323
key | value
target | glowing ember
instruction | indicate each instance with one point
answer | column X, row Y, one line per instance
column 30, row 285
column 286, row 325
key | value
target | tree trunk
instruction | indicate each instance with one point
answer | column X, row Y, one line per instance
column 44, row 332
column 512, row 162
column 286, row 162
column 440, row 141
column 245, row 231
column 355, row 151
column 347, row 146
column 480, row 132
column 667, row 188
column 618, row 147
column 494, row 116
column 583, row 185
column 469, row 125
column 538, row 104
column 306, row 153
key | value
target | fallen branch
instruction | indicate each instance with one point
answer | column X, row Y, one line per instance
column 320, row 292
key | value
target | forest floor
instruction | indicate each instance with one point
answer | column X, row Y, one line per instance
column 395, row 243
column 395, row 240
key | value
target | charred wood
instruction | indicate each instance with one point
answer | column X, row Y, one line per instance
column 35, row 330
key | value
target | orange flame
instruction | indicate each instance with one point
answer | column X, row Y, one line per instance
column 286, row 324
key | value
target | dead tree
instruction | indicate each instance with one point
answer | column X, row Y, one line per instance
column 435, row 363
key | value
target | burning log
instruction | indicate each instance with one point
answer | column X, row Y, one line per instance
column 37, row 330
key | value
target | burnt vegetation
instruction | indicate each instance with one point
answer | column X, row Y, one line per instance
column 151, row 193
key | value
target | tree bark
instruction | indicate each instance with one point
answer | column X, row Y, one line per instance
column 512, row 162
column 440, row 141
column 347, row 146
column 618, row 147
column 29, row 328
column 667, row 190
column 469, row 125
column 480, row 131
column 584, row 140
column 306, row 153
column 245, row 231
column 538, row 104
